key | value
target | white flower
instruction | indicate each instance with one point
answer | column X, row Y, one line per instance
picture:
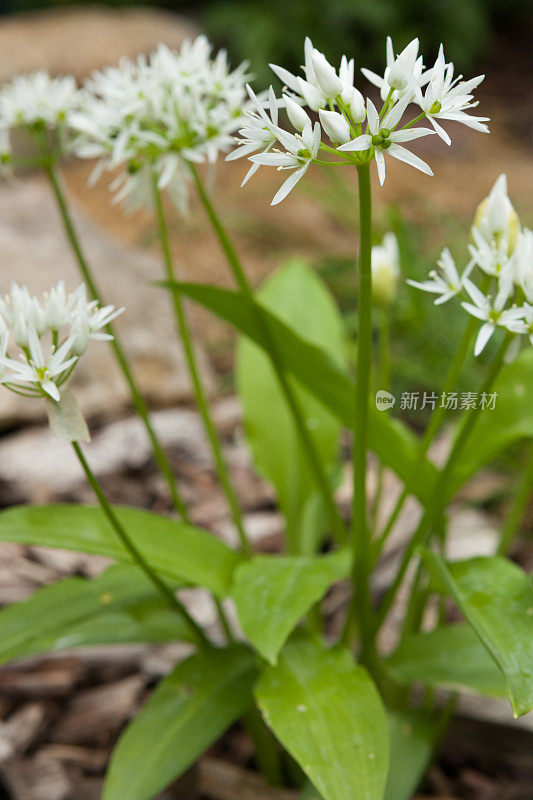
column 160, row 114
column 357, row 106
column 406, row 70
column 298, row 117
column 490, row 256
column 384, row 139
column 493, row 314
column 321, row 81
column 522, row 261
column 446, row 98
column 258, row 130
column 301, row 149
column 335, row 125
column 523, row 326
column 385, row 269
column 445, row 280
column 495, row 219
column 51, row 348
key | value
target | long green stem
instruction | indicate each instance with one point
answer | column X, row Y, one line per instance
column 519, row 507
column 167, row 593
column 361, row 603
column 439, row 496
column 122, row 360
column 244, row 285
column 198, row 387
column 382, row 383
column 437, row 417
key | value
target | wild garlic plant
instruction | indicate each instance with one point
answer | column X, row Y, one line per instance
column 330, row 707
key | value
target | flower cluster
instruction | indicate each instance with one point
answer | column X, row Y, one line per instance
column 159, row 114
column 36, row 103
column 501, row 258
column 51, row 334
column 357, row 131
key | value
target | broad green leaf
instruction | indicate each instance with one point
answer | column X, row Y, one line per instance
column 327, row 713
column 299, row 298
column 119, row 606
column 412, row 739
column 272, row 593
column 451, row 657
column 496, row 597
column 188, row 711
column 509, row 421
column 184, row 553
column 391, row 440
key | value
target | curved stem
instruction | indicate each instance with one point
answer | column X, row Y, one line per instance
column 122, row 360
column 361, row 604
column 336, row 521
column 519, row 507
column 167, row 593
column 439, row 495
column 184, row 333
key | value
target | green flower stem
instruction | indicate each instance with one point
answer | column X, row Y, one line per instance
column 384, row 381
column 519, row 507
column 437, row 418
column 437, row 504
column 199, row 390
column 336, row 521
column 122, row 360
column 167, row 593
column 361, row 603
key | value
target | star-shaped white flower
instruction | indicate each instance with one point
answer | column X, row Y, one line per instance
column 445, row 280
column 301, row 149
column 405, row 71
column 385, row 140
column 492, row 313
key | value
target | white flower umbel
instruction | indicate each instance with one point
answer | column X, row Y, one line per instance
column 492, row 313
column 50, row 333
column 382, row 138
column 385, row 269
column 342, row 110
column 449, row 98
column 445, row 280
column 159, row 115
column 37, row 103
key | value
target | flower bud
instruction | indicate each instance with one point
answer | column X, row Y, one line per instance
column 385, row 270
column 20, row 331
column 335, row 125
column 357, row 106
column 326, row 76
column 398, row 78
column 495, row 216
column 312, row 96
column 297, row 116
column 80, row 335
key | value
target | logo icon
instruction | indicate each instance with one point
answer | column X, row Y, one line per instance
column 384, row 400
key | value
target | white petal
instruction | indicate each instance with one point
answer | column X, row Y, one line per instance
column 399, row 152
column 408, row 134
column 485, row 332
column 380, row 164
column 289, row 184
column 361, row 143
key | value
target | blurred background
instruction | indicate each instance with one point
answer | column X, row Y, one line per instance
column 65, row 713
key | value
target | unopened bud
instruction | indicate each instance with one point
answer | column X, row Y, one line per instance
column 335, row 125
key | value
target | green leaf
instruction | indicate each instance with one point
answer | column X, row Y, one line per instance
column 496, row 597
column 390, row 439
column 188, row 711
column 451, row 657
column 119, row 606
column 509, row 421
column 272, row 593
column 299, row 298
column 327, row 713
column 412, row 740
column 182, row 552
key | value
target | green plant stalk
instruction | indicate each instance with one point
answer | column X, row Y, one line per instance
column 336, row 521
column 438, row 501
column 383, row 383
column 122, row 360
column 200, row 394
column 266, row 747
column 436, row 419
column 167, row 593
column 519, row 507
column 361, row 602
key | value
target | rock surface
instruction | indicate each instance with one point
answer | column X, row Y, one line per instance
column 36, row 253
column 78, row 40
